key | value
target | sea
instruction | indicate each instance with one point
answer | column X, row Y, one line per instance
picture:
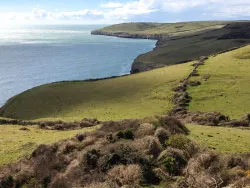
column 34, row 55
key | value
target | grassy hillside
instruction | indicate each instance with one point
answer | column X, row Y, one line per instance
column 16, row 143
column 176, row 50
column 163, row 28
column 222, row 139
column 134, row 96
column 227, row 89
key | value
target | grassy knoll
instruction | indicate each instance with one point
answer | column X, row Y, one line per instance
column 15, row 143
column 222, row 139
column 134, row 96
column 227, row 89
column 163, row 28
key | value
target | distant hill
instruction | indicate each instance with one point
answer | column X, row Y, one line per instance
column 181, row 42
column 159, row 29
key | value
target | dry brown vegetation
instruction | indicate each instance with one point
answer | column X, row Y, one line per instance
column 130, row 153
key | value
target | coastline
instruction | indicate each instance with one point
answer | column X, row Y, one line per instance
column 136, row 66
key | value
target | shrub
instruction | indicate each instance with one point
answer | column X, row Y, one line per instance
column 162, row 135
column 98, row 185
column 209, row 162
column 130, row 175
column 236, row 161
column 178, row 141
column 91, row 158
column 110, row 138
column 119, row 153
column 69, row 147
column 126, row 134
column 180, row 160
column 154, row 147
column 120, row 134
column 7, row 182
column 181, row 142
column 145, row 129
column 60, row 182
column 114, row 126
column 80, row 137
column 46, row 181
column 173, row 125
column 109, row 160
column 169, row 165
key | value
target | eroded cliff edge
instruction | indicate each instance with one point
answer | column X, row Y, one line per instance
column 182, row 46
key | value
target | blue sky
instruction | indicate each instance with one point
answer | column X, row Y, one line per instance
column 116, row 11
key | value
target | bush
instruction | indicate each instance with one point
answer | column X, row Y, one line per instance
column 60, row 182
column 180, row 160
column 91, row 158
column 114, row 126
column 126, row 134
column 181, row 142
column 145, row 129
column 130, row 175
column 173, row 125
column 69, row 147
column 236, row 161
column 7, row 182
column 169, row 165
column 109, row 160
column 162, row 135
column 80, row 137
column 98, row 185
column 46, row 181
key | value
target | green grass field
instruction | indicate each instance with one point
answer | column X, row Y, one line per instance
column 164, row 28
column 134, row 96
column 227, row 89
column 15, row 144
column 222, row 139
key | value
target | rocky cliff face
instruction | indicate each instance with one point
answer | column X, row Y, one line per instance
column 127, row 35
column 172, row 50
column 137, row 66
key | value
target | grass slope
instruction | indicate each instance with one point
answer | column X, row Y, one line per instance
column 15, row 143
column 133, row 96
column 172, row 29
column 191, row 46
column 227, row 90
column 222, row 139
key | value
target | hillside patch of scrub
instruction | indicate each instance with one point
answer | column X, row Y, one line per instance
column 160, row 153
column 134, row 96
column 224, row 84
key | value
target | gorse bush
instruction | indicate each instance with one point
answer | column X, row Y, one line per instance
column 126, row 134
column 172, row 125
column 7, row 182
column 130, row 175
column 130, row 153
column 91, row 158
column 179, row 141
column 169, row 165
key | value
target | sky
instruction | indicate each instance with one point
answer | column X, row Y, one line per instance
column 117, row 11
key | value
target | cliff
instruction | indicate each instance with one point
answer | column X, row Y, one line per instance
column 180, row 42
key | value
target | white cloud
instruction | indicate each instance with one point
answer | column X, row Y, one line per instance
column 111, row 5
column 114, row 11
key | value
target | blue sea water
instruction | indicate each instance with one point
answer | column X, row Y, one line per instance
column 35, row 55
